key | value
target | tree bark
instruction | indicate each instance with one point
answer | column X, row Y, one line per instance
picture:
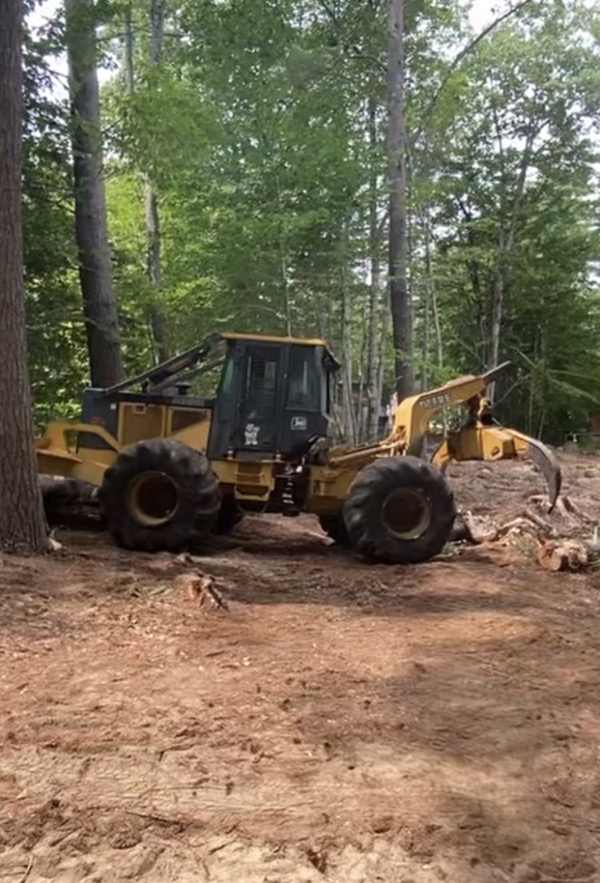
column 506, row 239
column 347, row 359
column 22, row 523
column 95, row 270
column 400, row 301
column 157, row 319
column 426, row 289
column 129, row 48
column 374, row 310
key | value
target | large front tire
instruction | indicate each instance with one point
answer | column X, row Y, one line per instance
column 335, row 528
column 400, row 510
column 159, row 495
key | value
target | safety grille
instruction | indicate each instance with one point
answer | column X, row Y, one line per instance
column 258, row 429
column 261, row 384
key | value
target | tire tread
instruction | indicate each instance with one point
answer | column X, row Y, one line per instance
column 363, row 507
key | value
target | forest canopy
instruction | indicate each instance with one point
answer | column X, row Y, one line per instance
column 246, row 167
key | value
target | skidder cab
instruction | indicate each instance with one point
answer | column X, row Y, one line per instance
column 244, row 423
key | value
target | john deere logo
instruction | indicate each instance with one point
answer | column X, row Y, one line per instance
column 437, row 401
column 299, row 424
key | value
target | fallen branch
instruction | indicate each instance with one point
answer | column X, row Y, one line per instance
column 477, row 530
column 24, row 877
column 517, row 527
column 565, row 507
column 202, row 589
column 543, row 525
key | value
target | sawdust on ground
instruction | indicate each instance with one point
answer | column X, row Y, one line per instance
column 339, row 722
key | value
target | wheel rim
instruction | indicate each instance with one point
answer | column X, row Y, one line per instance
column 406, row 513
column 152, row 499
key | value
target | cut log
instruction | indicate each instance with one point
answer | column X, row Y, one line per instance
column 479, row 528
column 571, row 555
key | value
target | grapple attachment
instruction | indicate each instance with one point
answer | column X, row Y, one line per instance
column 493, row 442
column 544, row 459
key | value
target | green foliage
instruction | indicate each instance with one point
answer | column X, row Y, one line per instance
column 263, row 133
column 518, row 158
column 55, row 329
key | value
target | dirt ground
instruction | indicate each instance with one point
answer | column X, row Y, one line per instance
column 338, row 722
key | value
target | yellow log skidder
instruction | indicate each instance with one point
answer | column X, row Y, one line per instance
column 173, row 465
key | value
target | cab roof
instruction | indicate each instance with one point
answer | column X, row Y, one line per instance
column 184, row 363
column 270, row 338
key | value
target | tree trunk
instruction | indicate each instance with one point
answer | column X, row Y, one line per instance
column 347, row 359
column 497, row 312
column 506, row 240
column 129, row 47
column 95, row 271
column 400, row 302
column 158, row 326
column 157, row 318
column 425, row 352
column 374, row 310
column 22, row 523
column 282, row 244
column 158, row 322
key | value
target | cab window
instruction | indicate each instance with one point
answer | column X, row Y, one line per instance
column 304, row 383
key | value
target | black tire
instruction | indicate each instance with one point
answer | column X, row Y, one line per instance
column 159, row 495
column 230, row 515
column 400, row 510
column 334, row 527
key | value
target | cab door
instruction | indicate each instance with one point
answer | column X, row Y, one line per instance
column 258, row 428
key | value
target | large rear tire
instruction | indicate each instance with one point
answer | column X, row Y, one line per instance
column 159, row 495
column 400, row 510
column 230, row 515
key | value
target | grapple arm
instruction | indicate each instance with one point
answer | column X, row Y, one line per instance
column 412, row 416
column 494, row 442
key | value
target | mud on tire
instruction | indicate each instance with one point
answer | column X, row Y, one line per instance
column 399, row 510
column 159, row 495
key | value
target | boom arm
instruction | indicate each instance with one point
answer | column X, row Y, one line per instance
column 413, row 415
column 162, row 376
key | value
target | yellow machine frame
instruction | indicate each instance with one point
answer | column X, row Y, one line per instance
column 253, row 481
